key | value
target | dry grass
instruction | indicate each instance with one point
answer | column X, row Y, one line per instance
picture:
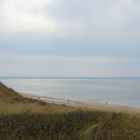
column 12, row 103
column 35, row 107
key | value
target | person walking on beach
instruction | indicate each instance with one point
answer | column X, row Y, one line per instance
column 68, row 100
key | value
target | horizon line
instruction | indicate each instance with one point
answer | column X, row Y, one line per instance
column 69, row 77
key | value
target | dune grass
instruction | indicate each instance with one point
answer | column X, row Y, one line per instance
column 78, row 125
column 33, row 107
column 27, row 119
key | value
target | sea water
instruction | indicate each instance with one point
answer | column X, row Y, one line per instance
column 122, row 91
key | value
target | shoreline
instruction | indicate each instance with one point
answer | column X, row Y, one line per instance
column 89, row 105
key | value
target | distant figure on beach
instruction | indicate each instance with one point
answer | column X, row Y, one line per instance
column 106, row 103
column 68, row 100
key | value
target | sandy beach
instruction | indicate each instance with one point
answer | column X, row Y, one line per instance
column 86, row 104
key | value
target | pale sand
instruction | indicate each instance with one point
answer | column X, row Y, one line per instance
column 86, row 104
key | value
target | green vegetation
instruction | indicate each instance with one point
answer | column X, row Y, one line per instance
column 26, row 119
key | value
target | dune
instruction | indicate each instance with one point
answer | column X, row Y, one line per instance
column 24, row 116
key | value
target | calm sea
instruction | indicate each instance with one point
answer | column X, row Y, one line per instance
column 123, row 91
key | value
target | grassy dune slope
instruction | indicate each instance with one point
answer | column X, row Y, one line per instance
column 27, row 119
column 11, row 102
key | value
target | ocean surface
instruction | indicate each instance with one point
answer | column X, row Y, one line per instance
column 122, row 91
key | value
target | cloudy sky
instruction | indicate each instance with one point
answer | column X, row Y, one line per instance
column 70, row 38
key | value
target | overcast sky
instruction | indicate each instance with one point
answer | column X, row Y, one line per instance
column 70, row 38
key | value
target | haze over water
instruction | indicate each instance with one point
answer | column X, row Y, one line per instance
column 123, row 91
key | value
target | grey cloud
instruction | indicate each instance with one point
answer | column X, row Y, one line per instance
column 90, row 19
column 98, row 19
